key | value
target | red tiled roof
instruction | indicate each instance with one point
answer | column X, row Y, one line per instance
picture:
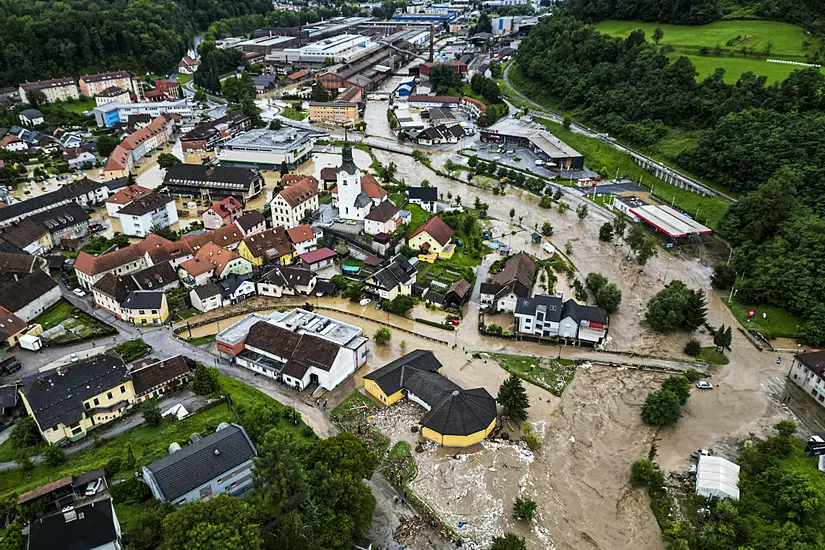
column 226, row 207
column 270, row 244
column 93, row 265
column 317, row 255
column 128, row 194
column 372, row 188
column 432, row 99
column 10, row 324
column 437, row 229
column 223, row 236
column 299, row 192
column 298, row 75
column 330, row 173
column 288, row 180
column 300, row 233
column 8, row 139
column 210, row 256
column 45, row 489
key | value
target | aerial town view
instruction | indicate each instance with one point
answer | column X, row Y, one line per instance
column 410, row 275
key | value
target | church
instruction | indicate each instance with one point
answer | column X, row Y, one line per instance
column 355, row 194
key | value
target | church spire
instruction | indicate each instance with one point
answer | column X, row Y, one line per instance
column 347, row 164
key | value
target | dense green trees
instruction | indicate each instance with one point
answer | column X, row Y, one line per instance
column 676, row 307
column 661, row 407
column 444, row 78
column 695, row 12
column 513, row 397
column 206, row 380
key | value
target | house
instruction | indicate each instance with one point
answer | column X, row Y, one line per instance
column 207, row 135
column 12, row 327
column 425, row 197
column 222, row 213
column 251, row 222
column 382, row 219
column 111, row 291
column 29, row 295
column 206, row 297
column 455, row 417
column 146, row 307
column 137, row 145
column 235, row 289
column 161, row 377
column 394, row 279
column 57, row 89
column 69, row 221
column 93, row 526
column 31, row 118
column 294, row 203
column 270, row 246
column 112, row 94
column 67, row 402
column 473, row 107
column 90, row 269
column 429, row 102
column 29, row 236
column 187, row 65
column 548, row 317
column 228, row 236
column 78, row 158
column 334, row 112
column 124, row 197
column 288, row 180
column 329, row 176
column 808, row 372
column 213, row 182
column 459, row 293
column 218, row 463
column 303, row 238
column 212, row 261
column 513, row 282
column 13, row 143
column 432, row 236
column 442, row 133
column 155, row 210
column 289, row 280
column 318, row 259
column 355, row 195
column 94, row 84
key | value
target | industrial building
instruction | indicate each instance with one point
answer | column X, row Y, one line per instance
column 339, row 49
column 266, row 44
column 113, row 113
column 267, row 149
column 669, row 221
column 317, row 31
column 541, row 142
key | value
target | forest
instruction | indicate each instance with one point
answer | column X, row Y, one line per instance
column 75, row 37
column 763, row 142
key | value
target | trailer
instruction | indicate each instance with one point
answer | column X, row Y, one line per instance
column 31, row 343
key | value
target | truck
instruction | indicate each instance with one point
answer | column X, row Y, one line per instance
column 9, row 365
column 31, row 343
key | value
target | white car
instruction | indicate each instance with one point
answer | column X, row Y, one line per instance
column 704, row 385
column 365, row 301
column 79, row 292
column 73, row 357
column 91, row 488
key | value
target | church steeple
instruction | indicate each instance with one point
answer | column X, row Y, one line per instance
column 347, row 164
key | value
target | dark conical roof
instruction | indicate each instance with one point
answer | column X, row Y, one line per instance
column 461, row 413
column 347, row 164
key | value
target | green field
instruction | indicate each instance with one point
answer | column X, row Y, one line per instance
column 776, row 324
column 551, row 374
column 290, row 112
column 79, row 105
column 720, row 44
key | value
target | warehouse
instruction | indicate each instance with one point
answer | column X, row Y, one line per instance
column 672, row 223
column 541, row 142
column 267, row 149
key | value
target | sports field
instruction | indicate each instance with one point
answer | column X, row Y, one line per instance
column 720, row 44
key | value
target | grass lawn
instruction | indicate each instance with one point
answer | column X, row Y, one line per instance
column 710, row 355
column 147, row 443
column 776, row 324
column 7, row 451
column 293, row 114
column 188, row 314
column 603, row 158
column 127, row 514
column 202, row 340
column 551, row 374
column 417, row 216
column 81, row 325
column 735, row 66
column 56, row 314
column 184, row 78
column 79, row 105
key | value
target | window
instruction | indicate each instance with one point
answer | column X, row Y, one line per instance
column 77, row 430
column 154, row 312
column 97, row 402
column 122, row 389
column 109, row 395
column 205, row 492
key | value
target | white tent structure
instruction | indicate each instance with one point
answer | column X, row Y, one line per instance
column 717, row 477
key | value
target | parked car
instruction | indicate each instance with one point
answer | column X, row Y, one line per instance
column 74, row 357
column 700, row 452
column 92, row 488
column 704, row 385
column 79, row 292
column 378, row 305
column 365, row 301
column 454, row 322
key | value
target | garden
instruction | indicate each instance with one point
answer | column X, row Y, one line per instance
column 545, row 372
column 75, row 325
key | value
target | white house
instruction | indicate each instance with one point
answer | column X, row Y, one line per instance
column 206, row 297
column 289, row 280
column 303, row 238
column 548, row 317
column 155, row 210
column 355, row 195
column 13, row 143
column 425, row 197
column 31, row 117
column 394, row 279
column 235, row 289
column 382, row 219
column 124, row 197
column 292, row 204
column 808, row 372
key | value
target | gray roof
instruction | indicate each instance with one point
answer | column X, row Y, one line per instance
column 17, row 295
column 390, row 377
column 31, row 114
column 288, row 276
column 8, row 397
column 56, row 396
column 431, row 387
column 143, row 299
column 250, row 219
column 362, row 199
column 426, row 194
column 397, row 271
column 207, row 291
column 551, row 304
column 56, row 219
column 210, row 457
column 94, row 527
column 579, row 312
column 383, row 212
column 462, row 412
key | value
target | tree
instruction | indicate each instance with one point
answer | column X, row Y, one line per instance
column 206, row 380
column 618, row 227
column 658, row 33
column 641, row 471
column 606, row 232
column 200, row 96
column 25, row 433
column 146, row 532
column 151, row 412
column 722, row 338
column 319, row 93
column 400, row 305
column 54, row 455
column 661, row 408
column 696, row 310
column 547, row 229
column 609, row 297
column 275, row 124
column 221, row 522
column 167, row 160
column 284, row 168
column 676, row 306
column 724, row 277
column 581, row 211
column 512, row 213
column 595, row 281
column 679, row 386
column 513, row 397
column 382, row 336
column 508, row 541
column 106, row 144
column 524, row 508
column 345, row 454
column 12, row 537
column 546, row 201
column 444, row 77
column 693, row 348
column 557, row 194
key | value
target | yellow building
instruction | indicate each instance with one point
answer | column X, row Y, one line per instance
column 455, row 417
column 146, row 307
column 13, row 327
column 432, row 237
column 270, row 246
column 342, row 114
column 69, row 401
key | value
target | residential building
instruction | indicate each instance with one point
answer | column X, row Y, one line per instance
column 251, row 222
column 270, row 246
column 90, row 269
column 332, row 112
column 112, row 290
column 268, row 149
column 12, row 328
column 212, row 261
column 165, row 90
column 440, row 134
column 382, row 219
column 228, row 236
column 513, row 282
column 286, row 280
column 302, row 238
column 206, row 297
column 155, row 210
column 431, row 101
column 455, row 417
column 84, row 192
column 146, row 307
column 432, row 237
column 27, row 295
column 318, row 259
column 69, row 401
column 113, row 113
column 288, row 180
column 93, row 526
column 78, row 158
column 222, row 213
column 31, row 118
column 136, row 146
column 57, row 89
column 394, row 279
column 158, row 378
column 547, row 317
column 218, row 463
column 29, row 236
column 112, row 94
column 13, row 143
column 808, row 372
column 425, row 197
column 125, row 197
column 92, row 84
column 235, row 289
column 187, row 65
column 207, row 135
column 473, row 107
column 293, row 204
column 213, row 182
column 69, row 221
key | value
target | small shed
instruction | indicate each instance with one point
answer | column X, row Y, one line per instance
column 536, row 238
column 717, row 478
